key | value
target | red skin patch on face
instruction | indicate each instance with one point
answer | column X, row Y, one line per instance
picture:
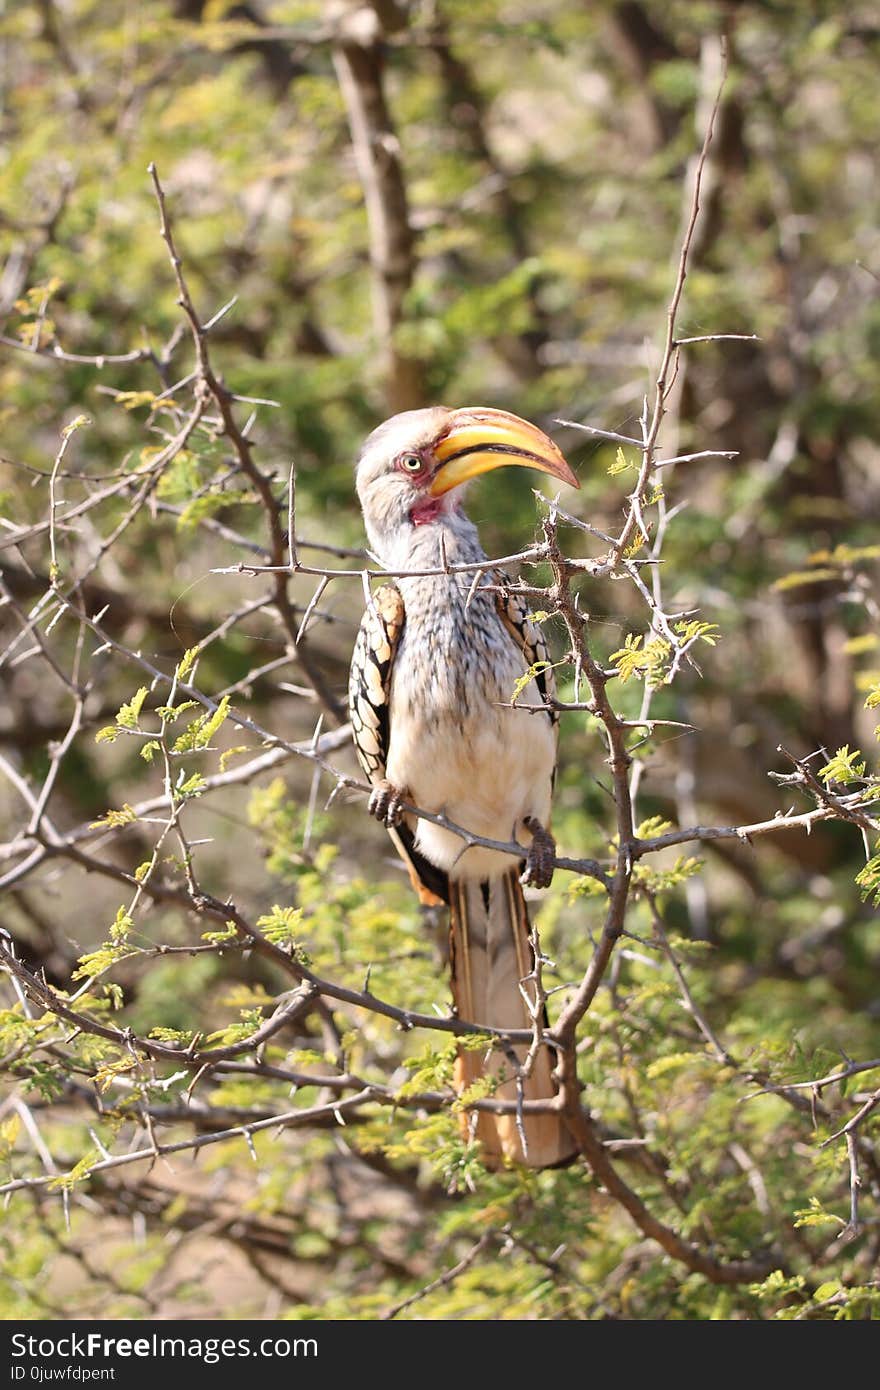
column 426, row 510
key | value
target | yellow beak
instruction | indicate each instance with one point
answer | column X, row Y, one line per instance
column 480, row 439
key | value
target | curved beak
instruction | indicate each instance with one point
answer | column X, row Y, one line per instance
column 480, row 438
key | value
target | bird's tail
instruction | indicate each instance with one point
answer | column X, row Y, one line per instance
column 491, row 958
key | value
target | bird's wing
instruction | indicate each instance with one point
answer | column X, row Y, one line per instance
column 370, row 679
column 528, row 636
column 369, row 702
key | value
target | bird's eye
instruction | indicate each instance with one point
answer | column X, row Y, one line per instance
column 410, row 463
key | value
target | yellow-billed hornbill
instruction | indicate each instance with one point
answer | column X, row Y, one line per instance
column 436, row 664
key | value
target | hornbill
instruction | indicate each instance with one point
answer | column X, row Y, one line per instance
column 436, row 664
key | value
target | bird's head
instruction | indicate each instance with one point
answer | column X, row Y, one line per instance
column 411, row 469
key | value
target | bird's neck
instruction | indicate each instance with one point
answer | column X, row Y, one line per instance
column 447, row 539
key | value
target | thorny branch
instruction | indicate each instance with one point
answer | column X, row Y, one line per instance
column 209, row 383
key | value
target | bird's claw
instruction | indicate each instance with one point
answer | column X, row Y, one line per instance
column 385, row 804
column 541, row 857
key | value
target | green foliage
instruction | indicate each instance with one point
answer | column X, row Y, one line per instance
column 868, row 879
column 621, row 464
column 696, row 631
column 648, row 661
column 77, row 1174
column 281, row 927
column 656, row 880
column 546, row 205
column 816, row 1215
column 201, row 730
column 94, row 963
column 227, row 933
column 10, row 1129
column 186, row 663
column 129, row 713
column 115, row 819
column 431, row 1069
column 236, row 1032
column 524, row 681
column 844, row 767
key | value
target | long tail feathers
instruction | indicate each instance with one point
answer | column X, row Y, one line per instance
column 490, row 956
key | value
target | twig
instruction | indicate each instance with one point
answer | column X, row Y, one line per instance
column 486, row 1239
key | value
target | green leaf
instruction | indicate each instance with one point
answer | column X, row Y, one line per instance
column 77, row 1174
column 74, row 425
column 95, row 962
column 816, row 1215
column 827, row 1290
column 534, row 670
column 114, row 993
column 868, row 880
column 281, row 924
column 200, row 731
column 695, row 631
column 227, row 933
column 230, row 753
column 214, row 723
column 171, row 712
column 185, row 665
column 107, row 1072
column 777, row 1285
column 184, row 1036
column 843, row 767
column 121, row 926
column 129, row 713
column 193, row 786
column 114, row 819
column 633, row 659
column 872, row 700
column 653, row 826
column 621, row 464
column 659, row 880
column 9, row 1132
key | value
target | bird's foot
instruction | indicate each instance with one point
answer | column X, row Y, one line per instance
column 538, row 872
column 385, row 803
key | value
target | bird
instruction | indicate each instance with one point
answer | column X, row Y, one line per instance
column 451, row 700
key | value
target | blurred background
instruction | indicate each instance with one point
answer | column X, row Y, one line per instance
column 476, row 202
